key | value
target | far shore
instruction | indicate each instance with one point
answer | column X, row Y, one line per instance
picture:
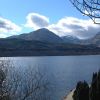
column 47, row 55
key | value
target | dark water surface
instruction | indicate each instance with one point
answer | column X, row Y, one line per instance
column 62, row 72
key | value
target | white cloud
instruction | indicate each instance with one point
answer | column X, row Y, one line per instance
column 66, row 26
column 36, row 21
column 74, row 26
column 6, row 26
column 3, row 35
column 82, row 28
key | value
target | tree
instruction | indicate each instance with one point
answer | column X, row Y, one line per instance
column 90, row 8
column 93, row 88
column 82, row 91
column 29, row 84
column 85, row 92
column 3, row 93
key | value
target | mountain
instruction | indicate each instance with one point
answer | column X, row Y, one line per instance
column 92, row 41
column 96, row 39
column 71, row 39
column 43, row 35
column 43, row 42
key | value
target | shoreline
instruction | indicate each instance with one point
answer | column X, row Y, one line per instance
column 49, row 55
column 69, row 96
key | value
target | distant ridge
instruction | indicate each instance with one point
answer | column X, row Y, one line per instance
column 71, row 39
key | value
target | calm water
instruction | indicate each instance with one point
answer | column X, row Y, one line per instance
column 62, row 72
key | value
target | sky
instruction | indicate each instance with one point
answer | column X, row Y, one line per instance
column 59, row 16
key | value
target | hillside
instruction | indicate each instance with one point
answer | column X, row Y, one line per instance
column 19, row 47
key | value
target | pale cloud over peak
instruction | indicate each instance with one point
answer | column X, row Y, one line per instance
column 6, row 26
column 74, row 26
column 82, row 28
column 36, row 21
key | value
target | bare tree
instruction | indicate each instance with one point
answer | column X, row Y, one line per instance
column 90, row 8
column 27, row 84
column 3, row 93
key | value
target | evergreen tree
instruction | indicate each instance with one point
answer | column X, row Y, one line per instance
column 98, row 86
column 93, row 88
column 82, row 91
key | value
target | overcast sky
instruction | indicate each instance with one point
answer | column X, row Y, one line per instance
column 59, row 16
